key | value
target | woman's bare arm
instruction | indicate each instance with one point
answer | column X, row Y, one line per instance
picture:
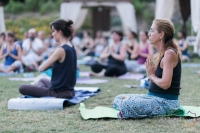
column 169, row 61
column 105, row 53
column 122, row 55
column 19, row 53
column 2, row 55
column 57, row 55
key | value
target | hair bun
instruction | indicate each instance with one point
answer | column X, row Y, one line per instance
column 69, row 22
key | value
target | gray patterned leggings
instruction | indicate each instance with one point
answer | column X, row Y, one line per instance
column 42, row 90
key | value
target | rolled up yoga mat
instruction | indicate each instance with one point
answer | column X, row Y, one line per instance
column 52, row 103
column 37, row 103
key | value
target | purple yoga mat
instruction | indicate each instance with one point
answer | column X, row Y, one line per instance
column 90, row 81
column 84, row 74
column 131, row 76
column 23, row 79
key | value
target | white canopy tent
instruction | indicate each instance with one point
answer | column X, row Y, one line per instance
column 164, row 9
column 195, row 17
column 74, row 11
column 2, row 23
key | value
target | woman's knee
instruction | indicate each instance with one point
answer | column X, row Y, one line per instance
column 42, row 81
column 22, row 88
column 96, row 68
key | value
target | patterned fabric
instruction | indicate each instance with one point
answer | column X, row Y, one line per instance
column 141, row 105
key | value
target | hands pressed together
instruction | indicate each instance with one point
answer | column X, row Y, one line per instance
column 150, row 67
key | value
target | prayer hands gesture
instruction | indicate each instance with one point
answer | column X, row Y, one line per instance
column 8, row 52
column 150, row 67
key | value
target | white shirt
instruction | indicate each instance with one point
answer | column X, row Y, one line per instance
column 76, row 41
column 36, row 44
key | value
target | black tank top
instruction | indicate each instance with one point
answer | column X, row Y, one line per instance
column 113, row 61
column 175, row 84
column 129, row 54
column 64, row 74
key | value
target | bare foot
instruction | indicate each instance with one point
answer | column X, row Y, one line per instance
column 92, row 74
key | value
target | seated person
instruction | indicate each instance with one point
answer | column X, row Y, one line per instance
column 183, row 44
column 76, row 41
column 99, row 43
column 116, row 54
column 32, row 50
column 46, row 51
column 24, row 38
column 145, row 50
column 63, row 63
column 50, row 41
column 165, row 76
column 132, row 48
column 11, row 52
column 87, row 44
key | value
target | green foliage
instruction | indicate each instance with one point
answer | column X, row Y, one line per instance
column 115, row 20
column 142, row 10
column 139, row 6
column 22, row 25
column 87, row 25
column 42, row 6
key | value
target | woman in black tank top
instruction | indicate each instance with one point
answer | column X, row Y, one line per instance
column 63, row 63
column 116, row 54
column 164, row 73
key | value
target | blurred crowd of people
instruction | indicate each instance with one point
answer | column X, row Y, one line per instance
column 117, row 54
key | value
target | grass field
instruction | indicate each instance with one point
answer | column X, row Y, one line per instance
column 70, row 121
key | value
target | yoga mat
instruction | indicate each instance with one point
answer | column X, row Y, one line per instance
column 90, row 89
column 7, row 74
column 37, row 103
column 97, row 112
column 84, row 74
column 192, row 111
column 81, row 62
column 36, row 79
column 106, row 112
column 131, row 76
column 190, row 65
column 90, row 81
column 52, row 103
column 28, row 79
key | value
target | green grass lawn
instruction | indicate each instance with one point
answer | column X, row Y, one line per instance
column 70, row 121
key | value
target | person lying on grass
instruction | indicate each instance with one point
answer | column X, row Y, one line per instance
column 63, row 63
column 165, row 76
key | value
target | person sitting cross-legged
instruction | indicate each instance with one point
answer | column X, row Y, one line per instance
column 63, row 63
column 165, row 76
column 12, row 53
